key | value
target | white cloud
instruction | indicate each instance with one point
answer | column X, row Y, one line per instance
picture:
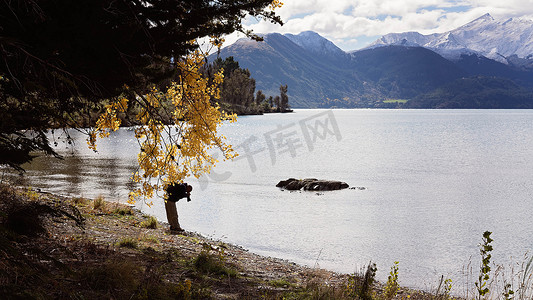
column 350, row 23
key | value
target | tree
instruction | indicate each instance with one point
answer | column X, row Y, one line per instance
column 62, row 58
column 277, row 102
column 170, row 154
column 238, row 90
column 259, row 97
column 228, row 65
column 284, row 99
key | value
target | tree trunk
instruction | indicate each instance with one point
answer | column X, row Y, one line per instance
column 172, row 216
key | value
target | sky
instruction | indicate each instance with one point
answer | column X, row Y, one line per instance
column 354, row 24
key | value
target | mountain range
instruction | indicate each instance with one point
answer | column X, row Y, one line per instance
column 407, row 66
column 509, row 41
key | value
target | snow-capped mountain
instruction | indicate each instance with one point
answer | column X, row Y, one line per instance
column 509, row 41
column 315, row 43
column 319, row 74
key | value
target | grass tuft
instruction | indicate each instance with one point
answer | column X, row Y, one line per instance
column 112, row 276
column 151, row 239
column 281, row 283
column 99, row 203
column 360, row 285
column 123, row 211
column 80, row 201
column 128, row 242
column 150, row 223
column 209, row 264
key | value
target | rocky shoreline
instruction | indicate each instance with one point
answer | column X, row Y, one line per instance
column 113, row 236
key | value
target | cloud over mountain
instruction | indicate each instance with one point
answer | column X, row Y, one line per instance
column 355, row 24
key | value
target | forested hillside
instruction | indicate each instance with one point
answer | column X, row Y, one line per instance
column 476, row 92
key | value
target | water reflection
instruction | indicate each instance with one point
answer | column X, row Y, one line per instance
column 82, row 172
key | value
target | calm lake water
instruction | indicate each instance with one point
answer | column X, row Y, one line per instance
column 430, row 182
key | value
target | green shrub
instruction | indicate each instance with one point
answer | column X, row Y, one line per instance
column 392, row 286
column 484, row 271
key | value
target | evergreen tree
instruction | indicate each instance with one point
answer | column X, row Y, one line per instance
column 229, row 65
column 61, row 58
column 277, row 102
column 284, row 99
column 238, row 88
column 259, row 97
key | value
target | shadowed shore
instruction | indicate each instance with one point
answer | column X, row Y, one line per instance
column 64, row 248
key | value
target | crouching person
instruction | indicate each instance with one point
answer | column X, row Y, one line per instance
column 175, row 192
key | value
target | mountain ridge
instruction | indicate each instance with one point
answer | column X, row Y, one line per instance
column 496, row 39
column 320, row 74
column 310, row 77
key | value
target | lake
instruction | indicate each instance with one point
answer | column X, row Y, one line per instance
column 427, row 183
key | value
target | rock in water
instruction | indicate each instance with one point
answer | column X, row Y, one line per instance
column 311, row 184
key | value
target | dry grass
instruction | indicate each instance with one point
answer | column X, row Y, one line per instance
column 99, row 203
column 150, row 223
column 128, row 242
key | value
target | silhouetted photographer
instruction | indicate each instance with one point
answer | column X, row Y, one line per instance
column 175, row 192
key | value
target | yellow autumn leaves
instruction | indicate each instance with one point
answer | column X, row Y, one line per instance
column 107, row 121
column 275, row 4
column 172, row 153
